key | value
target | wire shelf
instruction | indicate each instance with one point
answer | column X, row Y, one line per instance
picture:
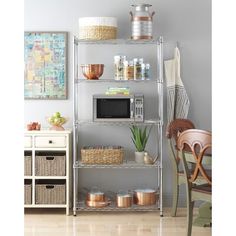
column 118, row 41
column 126, row 165
column 81, row 206
column 116, row 81
column 118, row 123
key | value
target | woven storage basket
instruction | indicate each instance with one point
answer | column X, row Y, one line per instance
column 50, row 194
column 53, row 165
column 28, row 165
column 97, row 32
column 102, row 155
column 97, row 28
column 28, row 193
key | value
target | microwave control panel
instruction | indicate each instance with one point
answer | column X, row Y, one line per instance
column 139, row 111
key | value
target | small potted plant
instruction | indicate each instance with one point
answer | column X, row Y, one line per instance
column 140, row 137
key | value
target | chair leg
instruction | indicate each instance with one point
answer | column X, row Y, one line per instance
column 190, row 206
column 175, row 196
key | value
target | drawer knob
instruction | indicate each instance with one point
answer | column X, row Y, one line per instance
column 50, row 141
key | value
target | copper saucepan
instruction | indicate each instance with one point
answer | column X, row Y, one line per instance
column 124, row 200
column 95, row 197
column 145, row 197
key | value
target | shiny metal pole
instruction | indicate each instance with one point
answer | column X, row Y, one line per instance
column 160, row 113
column 75, row 121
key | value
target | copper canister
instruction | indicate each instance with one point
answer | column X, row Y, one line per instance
column 123, row 200
column 145, row 197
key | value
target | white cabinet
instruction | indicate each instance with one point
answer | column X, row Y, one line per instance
column 48, row 169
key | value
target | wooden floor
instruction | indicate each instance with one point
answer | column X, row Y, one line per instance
column 46, row 222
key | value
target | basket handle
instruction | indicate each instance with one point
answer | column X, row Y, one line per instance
column 49, row 158
column 49, row 186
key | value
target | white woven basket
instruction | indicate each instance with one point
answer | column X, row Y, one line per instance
column 97, row 28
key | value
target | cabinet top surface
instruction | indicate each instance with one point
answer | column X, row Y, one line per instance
column 47, row 131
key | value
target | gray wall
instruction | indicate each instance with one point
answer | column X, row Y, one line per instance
column 185, row 21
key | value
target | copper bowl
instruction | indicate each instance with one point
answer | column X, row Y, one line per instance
column 92, row 71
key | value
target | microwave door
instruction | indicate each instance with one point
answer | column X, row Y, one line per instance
column 113, row 109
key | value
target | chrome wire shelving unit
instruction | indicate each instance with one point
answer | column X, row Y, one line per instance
column 78, row 204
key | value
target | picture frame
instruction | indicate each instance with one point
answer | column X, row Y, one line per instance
column 45, row 60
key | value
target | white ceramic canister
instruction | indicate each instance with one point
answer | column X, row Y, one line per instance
column 141, row 21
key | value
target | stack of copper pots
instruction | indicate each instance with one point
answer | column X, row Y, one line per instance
column 97, row 199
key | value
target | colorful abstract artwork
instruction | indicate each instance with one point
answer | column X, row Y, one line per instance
column 45, row 56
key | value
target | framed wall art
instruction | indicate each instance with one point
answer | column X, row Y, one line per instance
column 45, row 57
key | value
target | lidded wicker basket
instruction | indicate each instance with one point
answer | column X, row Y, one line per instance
column 103, row 155
column 97, row 28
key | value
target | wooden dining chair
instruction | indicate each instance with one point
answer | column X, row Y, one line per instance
column 172, row 132
column 200, row 143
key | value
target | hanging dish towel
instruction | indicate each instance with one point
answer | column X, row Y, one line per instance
column 177, row 98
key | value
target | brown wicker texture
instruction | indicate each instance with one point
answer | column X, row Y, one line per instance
column 28, row 165
column 50, row 194
column 102, row 155
column 28, row 193
column 97, row 32
column 50, row 165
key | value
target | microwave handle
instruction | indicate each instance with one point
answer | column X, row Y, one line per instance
column 131, row 108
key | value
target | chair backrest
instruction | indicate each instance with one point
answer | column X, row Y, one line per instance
column 200, row 143
column 178, row 126
column 173, row 130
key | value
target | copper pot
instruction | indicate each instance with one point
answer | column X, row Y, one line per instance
column 123, row 200
column 145, row 197
column 95, row 204
column 92, row 71
column 95, row 197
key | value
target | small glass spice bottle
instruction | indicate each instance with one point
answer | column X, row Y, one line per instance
column 119, row 66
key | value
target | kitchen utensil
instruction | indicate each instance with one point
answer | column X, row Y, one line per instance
column 148, row 159
column 95, row 196
column 145, row 197
column 124, row 199
column 92, row 71
column 141, row 21
column 104, row 203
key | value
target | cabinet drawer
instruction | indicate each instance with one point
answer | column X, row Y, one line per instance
column 50, row 141
column 27, row 142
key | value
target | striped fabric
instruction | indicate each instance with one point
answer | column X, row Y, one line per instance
column 177, row 98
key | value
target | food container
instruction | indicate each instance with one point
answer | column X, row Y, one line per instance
column 97, row 28
column 124, row 199
column 145, row 197
column 141, row 21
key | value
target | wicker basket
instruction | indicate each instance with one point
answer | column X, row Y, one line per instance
column 53, row 165
column 97, row 32
column 28, row 193
column 102, row 155
column 50, row 194
column 28, row 165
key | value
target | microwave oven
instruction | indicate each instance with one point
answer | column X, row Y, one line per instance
column 118, row 107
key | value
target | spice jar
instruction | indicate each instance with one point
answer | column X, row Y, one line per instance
column 119, row 66
column 147, row 71
column 137, row 68
column 128, row 70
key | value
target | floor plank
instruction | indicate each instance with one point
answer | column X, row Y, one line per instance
column 50, row 222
